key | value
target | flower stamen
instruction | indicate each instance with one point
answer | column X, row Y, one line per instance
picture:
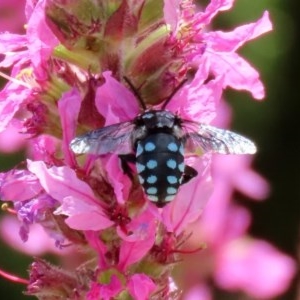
column 14, row 80
column 13, row 278
column 5, row 207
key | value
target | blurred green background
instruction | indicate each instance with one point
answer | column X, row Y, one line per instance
column 272, row 123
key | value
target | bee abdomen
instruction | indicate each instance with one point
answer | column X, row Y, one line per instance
column 160, row 166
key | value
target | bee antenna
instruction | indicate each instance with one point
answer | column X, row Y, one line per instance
column 136, row 93
column 179, row 86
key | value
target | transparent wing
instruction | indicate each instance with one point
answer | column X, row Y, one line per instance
column 110, row 139
column 208, row 138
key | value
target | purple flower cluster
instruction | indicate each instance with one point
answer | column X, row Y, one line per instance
column 66, row 76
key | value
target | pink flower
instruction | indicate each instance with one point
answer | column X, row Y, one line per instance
column 235, row 261
column 222, row 57
column 239, row 176
column 38, row 243
column 114, row 263
column 76, row 197
column 217, row 48
column 69, row 74
column 269, row 272
column 17, row 185
column 140, row 287
column 198, row 292
column 105, row 291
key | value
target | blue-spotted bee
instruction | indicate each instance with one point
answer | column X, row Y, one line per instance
column 156, row 141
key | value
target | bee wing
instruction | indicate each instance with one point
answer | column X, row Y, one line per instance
column 212, row 139
column 115, row 138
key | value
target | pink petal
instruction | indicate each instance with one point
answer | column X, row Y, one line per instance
column 203, row 103
column 190, row 200
column 252, row 185
column 239, row 175
column 61, row 182
column 140, row 286
column 11, row 42
column 255, row 267
column 231, row 41
column 120, row 182
column 19, row 185
column 223, row 61
column 132, row 252
column 213, row 8
column 83, row 215
column 43, row 147
column 68, row 107
column 78, row 202
column 115, row 101
column 141, row 227
column 189, row 92
column 11, row 98
column 11, row 140
column 41, row 40
column 112, row 289
column 15, row 59
column 171, row 13
column 199, row 292
column 238, row 221
column 223, row 115
column 198, row 101
column 105, row 291
column 93, row 239
column 221, row 221
column 29, row 8
column 38, row 242
column 136, row 246
column 239, row 74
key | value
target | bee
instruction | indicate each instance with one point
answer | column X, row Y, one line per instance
column 156, row 141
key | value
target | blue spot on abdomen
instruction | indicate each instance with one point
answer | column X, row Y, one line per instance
column 173, row 147
column 171, row 163
column 151, row 164
column 149, row 147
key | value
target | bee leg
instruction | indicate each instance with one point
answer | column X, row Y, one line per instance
column 188, row 174
column 125, row 160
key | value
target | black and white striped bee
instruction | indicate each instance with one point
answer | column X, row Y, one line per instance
column 157, row 141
